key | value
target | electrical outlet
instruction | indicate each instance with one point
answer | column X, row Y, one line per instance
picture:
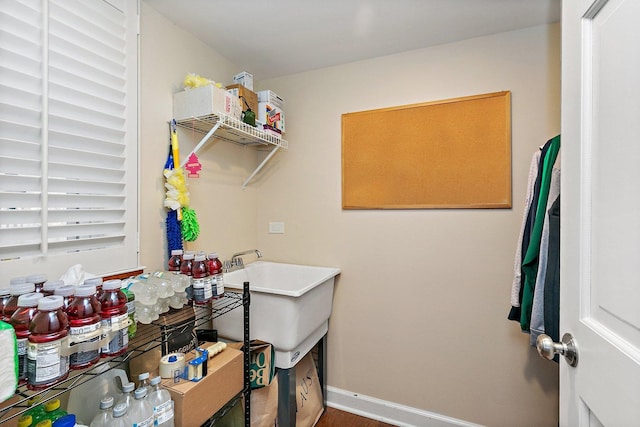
column 276, row 228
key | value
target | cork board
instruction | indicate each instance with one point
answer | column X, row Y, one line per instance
column 454, row 153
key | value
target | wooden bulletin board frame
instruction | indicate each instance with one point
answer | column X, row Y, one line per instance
column 454, row 153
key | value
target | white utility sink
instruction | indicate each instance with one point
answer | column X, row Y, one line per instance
column 290, row 306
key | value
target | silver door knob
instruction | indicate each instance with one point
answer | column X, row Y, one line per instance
column 567, row 348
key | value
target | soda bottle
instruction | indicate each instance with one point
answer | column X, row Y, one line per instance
column 127, row 395
column 21, row 320
column 185, row 268
column 46, row 362
column 114, row 318
column 175, row 260
column 66, row 292
column 85, row 322
column 16, row 289
column 200, row 281
column 160, row 401
column 215, row 271
column 38, row 280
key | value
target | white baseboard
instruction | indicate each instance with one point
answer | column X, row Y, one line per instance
column 389, row 412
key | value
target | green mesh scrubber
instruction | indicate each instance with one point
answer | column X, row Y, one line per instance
column 189, row 224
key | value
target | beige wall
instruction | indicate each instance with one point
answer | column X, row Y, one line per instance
column 227, row 214
column 420, row 308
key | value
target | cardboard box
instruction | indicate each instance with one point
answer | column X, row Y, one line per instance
column 250, row 96
column 271, row 115
column 245, row 79
column 203, row 101
column 262, row 368
column 271, row 98
column 196, row 402
column 174, row 330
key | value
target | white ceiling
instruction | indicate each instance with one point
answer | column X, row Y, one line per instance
column 279, row 37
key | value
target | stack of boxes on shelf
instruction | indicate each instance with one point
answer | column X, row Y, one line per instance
column 238, row 101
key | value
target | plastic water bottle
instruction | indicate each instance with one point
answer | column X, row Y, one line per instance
column 162, row 283
column 46, row 365
column 146, row 299
column 178, row 300
column 143, row 380
column 104, row 418
column 127, row 395
column 160, row 401
column 140, row 413
column 21, row 320
column 119, row 416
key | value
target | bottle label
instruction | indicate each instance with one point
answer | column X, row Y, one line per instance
column 144, row 423
column 82, row 358
column 45, row 363
column 201, row 289
column 207, row 288
column 120, row 322
column 85, row 332
column 214, row 285
column 118, row 325
column 163, row 412
column 22, row 357
column 219, row 284
column 131, row 307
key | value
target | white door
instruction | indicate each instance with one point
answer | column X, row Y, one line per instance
column 600, row 212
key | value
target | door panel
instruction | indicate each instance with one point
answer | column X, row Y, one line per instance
column 600, row 223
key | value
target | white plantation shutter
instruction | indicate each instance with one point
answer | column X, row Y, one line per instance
column 68, row 136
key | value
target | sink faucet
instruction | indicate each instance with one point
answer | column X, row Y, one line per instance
column 236, row 260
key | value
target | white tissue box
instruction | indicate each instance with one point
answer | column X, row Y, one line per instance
column 203, row 101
